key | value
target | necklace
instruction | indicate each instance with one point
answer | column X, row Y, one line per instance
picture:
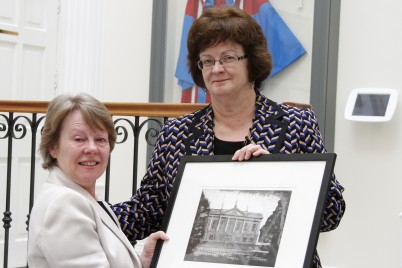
column 247, row 139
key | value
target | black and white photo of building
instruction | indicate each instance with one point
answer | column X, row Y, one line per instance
column 241, row 227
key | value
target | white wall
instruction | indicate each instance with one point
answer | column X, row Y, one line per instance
column 369, row 155
column 125, row 74
column 126, row 51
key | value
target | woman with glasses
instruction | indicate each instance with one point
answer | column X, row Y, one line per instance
column 228, row 57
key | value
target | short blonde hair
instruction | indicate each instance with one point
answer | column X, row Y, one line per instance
column 94, row 112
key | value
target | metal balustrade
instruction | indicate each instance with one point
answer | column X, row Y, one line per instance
column 20, row 126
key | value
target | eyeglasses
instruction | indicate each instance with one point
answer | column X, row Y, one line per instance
column 209, row 63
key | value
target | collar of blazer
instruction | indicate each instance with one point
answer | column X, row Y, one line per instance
column 268, row 115
column 57, row 176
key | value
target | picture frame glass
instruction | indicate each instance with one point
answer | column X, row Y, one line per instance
column 257, row 213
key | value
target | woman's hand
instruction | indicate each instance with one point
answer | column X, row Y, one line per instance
column 247, row 151
column 149, row 248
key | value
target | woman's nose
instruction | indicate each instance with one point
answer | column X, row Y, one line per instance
column 91, row 147
column 218, row 67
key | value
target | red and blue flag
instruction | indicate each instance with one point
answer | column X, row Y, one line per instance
column 283, row 45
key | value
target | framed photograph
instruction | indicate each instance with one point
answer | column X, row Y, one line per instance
column 262, row 212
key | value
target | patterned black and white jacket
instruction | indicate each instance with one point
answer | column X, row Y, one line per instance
column 277, row 128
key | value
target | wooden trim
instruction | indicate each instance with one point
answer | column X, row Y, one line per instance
column 299, row 105
column 115, row 108
column 23, row 106
column 152, row 109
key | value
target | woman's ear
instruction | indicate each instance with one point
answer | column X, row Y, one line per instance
column 52, row 151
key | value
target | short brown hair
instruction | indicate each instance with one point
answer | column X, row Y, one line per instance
column 94, row 112
column 218, row 25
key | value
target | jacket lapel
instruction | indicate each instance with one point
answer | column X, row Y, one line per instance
column 200, row 139
column 112, row 224
column 268, row 128
column 58, row 177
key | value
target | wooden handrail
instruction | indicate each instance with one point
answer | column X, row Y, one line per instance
column 153, row 109
column 298, row 105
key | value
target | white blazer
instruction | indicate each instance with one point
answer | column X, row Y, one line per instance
column 68, row 228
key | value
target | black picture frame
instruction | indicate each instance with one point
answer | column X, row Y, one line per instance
column 264, row 212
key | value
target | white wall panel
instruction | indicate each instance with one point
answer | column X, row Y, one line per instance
column 35, row 14
column 8, row 12
column 7, row 69
column 31, row 26
column 33, row 73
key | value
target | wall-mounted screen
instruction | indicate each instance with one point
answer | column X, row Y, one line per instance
column 371, row 104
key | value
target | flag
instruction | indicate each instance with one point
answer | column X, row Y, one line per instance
column 282, row 43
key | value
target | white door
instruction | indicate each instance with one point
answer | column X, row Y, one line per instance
column 28, row 42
